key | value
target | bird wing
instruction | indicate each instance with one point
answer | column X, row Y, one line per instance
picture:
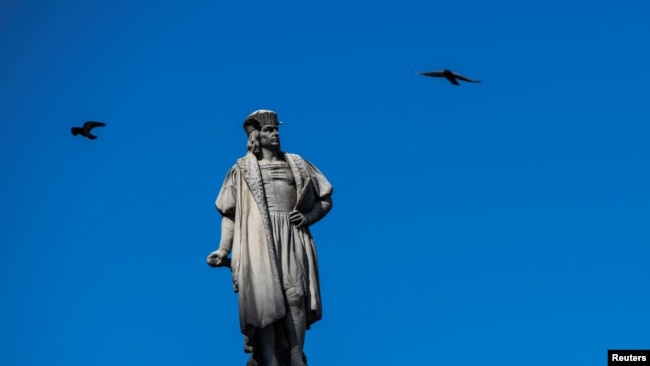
column 433, row 73
column 465, row 78
column 92, row 124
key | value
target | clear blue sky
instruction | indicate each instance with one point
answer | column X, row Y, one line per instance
column 472, row 225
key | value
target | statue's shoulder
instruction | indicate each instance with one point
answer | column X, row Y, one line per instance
column 239, row 161
column 244, row 161
column 300, row 160
column 305, row 167
column 296, row 160
column 236, row 169
column 295, row 157
column 246, row 158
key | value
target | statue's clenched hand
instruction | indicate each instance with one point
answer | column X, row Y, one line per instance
column 297, row 218
column 216, row 258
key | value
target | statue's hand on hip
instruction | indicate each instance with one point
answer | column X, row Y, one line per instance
column 216, row 258
column 297, row 218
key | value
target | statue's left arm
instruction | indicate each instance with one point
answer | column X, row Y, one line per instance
column 322, row 195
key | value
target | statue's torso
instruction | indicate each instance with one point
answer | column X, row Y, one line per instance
column 279, row 186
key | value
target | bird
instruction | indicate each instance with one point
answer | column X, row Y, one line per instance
column 85, row 130
column 449, row 75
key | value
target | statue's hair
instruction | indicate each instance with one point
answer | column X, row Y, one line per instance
column 254, row 144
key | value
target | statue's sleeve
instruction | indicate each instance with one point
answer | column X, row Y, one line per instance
column 227, row 199
column 322, row 195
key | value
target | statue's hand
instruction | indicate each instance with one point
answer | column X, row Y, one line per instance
column 297, row 218
column 216, row 258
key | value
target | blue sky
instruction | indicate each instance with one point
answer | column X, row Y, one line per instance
column 484, row 224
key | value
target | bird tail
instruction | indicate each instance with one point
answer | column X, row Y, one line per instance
column 92, row 137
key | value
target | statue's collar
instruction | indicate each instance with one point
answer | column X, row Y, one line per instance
column 251, row 173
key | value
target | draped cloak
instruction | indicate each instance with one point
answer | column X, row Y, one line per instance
column 254, row 263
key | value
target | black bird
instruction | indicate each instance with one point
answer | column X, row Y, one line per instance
column 85, row 130
column 449, row 75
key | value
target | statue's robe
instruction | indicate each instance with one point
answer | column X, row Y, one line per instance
column 255, row 267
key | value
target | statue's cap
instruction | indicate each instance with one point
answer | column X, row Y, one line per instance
column 259, row 119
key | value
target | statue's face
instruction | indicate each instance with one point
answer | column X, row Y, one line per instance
column 270, row 137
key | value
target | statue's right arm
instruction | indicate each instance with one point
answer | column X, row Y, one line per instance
column 227, row 233
column 226, row 205
column 216, row 258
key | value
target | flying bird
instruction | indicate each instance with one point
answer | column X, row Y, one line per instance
column 453, row 77
column 85, row 130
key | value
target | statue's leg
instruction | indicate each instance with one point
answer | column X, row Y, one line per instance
column 295, row 324
column 266, row 345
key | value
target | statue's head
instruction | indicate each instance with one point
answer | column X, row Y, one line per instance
column 261, row 127
column 260, row 118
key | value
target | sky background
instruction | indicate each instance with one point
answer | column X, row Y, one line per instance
column 482, row 224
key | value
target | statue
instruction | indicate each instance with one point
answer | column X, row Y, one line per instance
column 267, row 202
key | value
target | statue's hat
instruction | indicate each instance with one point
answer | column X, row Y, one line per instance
column 259, row 119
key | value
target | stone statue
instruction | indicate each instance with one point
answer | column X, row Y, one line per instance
column 267, row 202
